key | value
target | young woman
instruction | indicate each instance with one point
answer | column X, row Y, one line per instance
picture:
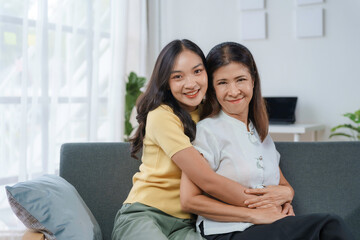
column 234, row 139
column 167, row 113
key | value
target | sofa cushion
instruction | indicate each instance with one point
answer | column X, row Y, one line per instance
column 325, row 177
column 102, row 174
column 51, row 205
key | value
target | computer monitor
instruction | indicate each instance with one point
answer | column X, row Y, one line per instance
column 281, row 110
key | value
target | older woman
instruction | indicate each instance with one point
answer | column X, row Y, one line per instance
column 234, row 139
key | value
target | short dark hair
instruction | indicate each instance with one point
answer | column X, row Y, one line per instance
column 158, row 92
column 222, row 55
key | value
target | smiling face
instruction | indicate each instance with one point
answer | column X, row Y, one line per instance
column 188, row 80
column 233, row 86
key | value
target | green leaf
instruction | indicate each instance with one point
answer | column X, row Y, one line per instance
column 130, row 101
column 355, row 117
column 133, row 86
column 128, row 128
column 341, row 134
column 141, row 81
column 132, row 77
column 348, row 126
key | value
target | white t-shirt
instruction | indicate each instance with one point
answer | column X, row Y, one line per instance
column 239, row 155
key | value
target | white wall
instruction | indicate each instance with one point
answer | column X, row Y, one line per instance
column 323, row 72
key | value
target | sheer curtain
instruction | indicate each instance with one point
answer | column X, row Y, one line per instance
column 63, row 70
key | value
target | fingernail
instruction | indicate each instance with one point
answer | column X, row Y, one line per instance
column 246, row 202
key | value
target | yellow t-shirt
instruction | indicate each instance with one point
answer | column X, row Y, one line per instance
column 158, row 182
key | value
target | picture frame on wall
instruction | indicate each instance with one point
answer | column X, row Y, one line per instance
column 307, row 2
column 252, row 4
column 253, row 25
column 310, row 22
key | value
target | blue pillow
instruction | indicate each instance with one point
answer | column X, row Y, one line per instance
column 51, row 205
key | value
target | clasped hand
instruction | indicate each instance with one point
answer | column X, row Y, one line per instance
column 279, row 196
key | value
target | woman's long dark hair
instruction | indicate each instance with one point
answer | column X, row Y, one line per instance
column 222, row 55
column 158, row 92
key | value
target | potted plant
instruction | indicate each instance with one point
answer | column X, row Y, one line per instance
column 353, row 132
column 132, row 93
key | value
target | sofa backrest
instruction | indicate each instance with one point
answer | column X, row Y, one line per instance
column 325, row 176
column 102, row 174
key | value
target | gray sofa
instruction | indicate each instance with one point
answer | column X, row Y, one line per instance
column 325, row 176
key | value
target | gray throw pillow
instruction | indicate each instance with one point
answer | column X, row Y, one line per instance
column 51, row 205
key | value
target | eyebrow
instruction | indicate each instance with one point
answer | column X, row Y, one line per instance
column 224, row 79
column 240, row 76
column 219, row 80
column 177, row 71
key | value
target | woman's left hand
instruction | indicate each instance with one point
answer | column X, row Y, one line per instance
column 269, row 196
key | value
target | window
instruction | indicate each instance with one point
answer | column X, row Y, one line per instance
column 62, row 79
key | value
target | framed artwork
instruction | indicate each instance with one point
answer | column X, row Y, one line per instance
column 309, row 22
column 306, row 2
column 252, row 4
column 253, row 25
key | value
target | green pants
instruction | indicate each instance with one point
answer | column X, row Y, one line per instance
column 140, row 222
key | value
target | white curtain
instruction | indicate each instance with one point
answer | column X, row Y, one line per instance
column 63, row 70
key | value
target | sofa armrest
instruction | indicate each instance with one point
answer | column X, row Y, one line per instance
column 31, row 235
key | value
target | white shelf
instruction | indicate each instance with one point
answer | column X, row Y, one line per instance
column 296, row 129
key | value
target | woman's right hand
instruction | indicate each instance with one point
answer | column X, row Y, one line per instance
column 287, row 209
column 266, row 215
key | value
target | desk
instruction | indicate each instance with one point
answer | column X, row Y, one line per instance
column 296, row 129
